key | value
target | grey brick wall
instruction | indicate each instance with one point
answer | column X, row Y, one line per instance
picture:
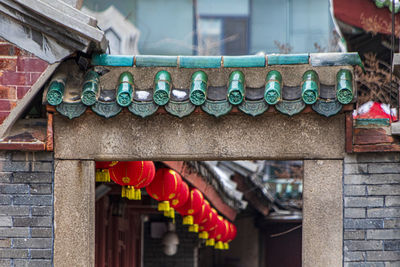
column 372, row 210
column 26, row 209
column 153, row 253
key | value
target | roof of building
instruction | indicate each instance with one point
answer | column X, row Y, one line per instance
column 49, row 29
column 213, row 84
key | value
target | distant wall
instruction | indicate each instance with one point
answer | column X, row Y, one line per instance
column 372, row 210
column 26, row 209
column 185, row 256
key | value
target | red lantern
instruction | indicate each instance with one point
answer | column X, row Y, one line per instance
column 102, row 170
column 231, row 236
column 198, row 217
column 208, row 223
column 222, row 232
column 192, row 206
column 211, row 237
column 180, row 199
column 165, row 187
column 132, row 175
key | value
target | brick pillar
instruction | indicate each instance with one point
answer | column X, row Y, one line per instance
column 26, row 209
column 372, row 210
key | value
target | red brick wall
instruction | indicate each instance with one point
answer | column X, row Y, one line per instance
column 19, row 70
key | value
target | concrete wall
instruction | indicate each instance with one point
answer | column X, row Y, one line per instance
column 372, row 210
column 26, row 209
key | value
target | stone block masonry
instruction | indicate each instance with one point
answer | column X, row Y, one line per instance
column 26, row 209
column 372, row 210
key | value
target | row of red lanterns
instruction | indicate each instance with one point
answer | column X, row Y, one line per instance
column 166, row 186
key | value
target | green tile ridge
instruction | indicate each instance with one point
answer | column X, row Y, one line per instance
column 156, row 61
column 112, row 60
column 243, row 61
column 289, row 59
column 335, row 59
column 200, row 61
column 315, row 59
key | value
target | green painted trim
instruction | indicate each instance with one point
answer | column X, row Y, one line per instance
column 55, row 92
column 244, row 61
column 180, row 109
column 310, row 87
column 344, row 86
column 388, row 4
column 125, row 89
column 236, row 87
column 198, row 88
column 287, row 59
column 143, row 109
column 200, row 62
column 156, row 61
column 90, row 88
column 272, row 93
column 327, row 108
column 370, row 122
column 112, row 60
column 162, row 87
column 253, row 108
column 217, row 108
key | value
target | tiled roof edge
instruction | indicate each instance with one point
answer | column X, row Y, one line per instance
column 314, row 59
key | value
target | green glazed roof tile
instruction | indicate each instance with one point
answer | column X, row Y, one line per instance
column 243, row 61
column 200, row 61
column 335, row 59
column 156, row 61
column 112, row 60
column 287, row 59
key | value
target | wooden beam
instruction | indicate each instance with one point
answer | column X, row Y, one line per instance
column 349, row 133
column 376, row 148
column 208, row 190
column 50, row 133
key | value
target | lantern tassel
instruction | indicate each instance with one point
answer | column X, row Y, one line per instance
column 194, row 228
column 129, row 192
column 103, row 175
column 210, row 242
column 170, row 213
column 163, row 206
column 138, row 194
column 226, row 246
column 203, row 235
column 188, row 220
column 219, row 245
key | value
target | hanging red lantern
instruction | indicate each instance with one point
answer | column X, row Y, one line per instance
column 222, row 232
column 192, row 206
column 208, row 223
column 132, row 175
column 102, row 170
column 180, row 199
column 165, row 187
column 231, row 236
column 197, row 218
column 211, row 237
